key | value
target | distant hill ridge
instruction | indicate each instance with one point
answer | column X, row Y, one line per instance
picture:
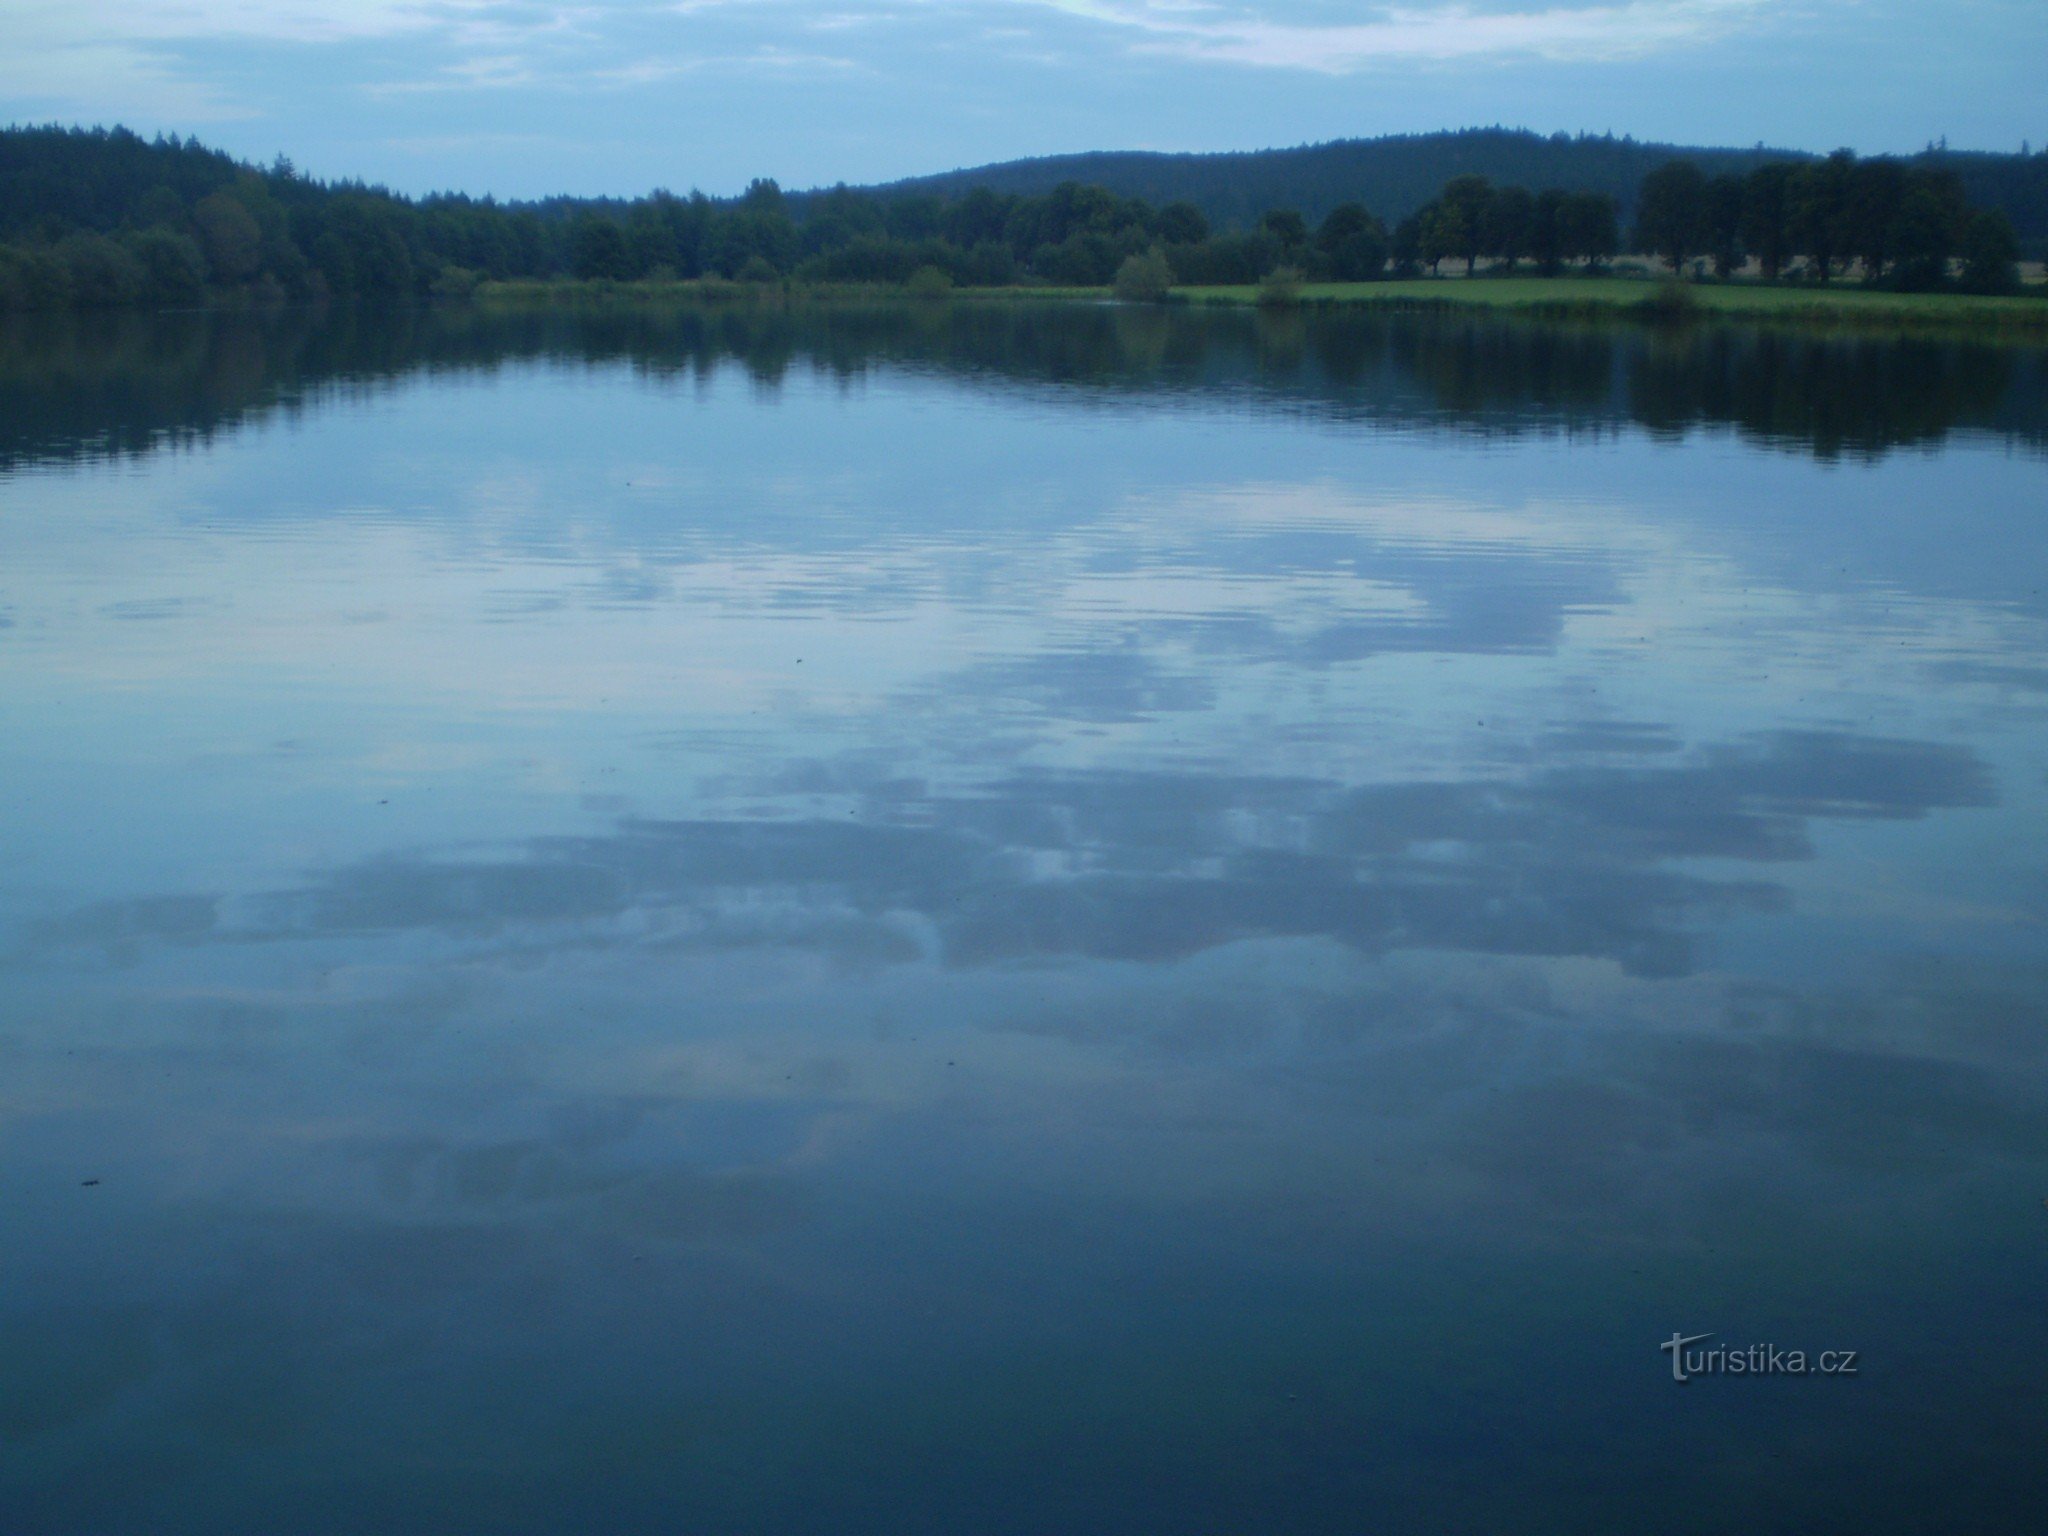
column 1396, row 174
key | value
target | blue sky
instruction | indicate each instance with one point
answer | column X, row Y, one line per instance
column 525, row 97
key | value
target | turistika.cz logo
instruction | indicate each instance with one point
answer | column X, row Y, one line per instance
column 1756, row 1360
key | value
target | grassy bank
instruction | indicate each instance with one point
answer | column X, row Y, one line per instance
column 1601, row 296
column 2023, row 315
column 722, row 290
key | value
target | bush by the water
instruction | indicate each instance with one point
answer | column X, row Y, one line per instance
column 1672, row 300
column 1144, row 278
column 1280, row 287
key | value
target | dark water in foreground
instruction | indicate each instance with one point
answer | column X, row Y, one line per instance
column 1018, row 920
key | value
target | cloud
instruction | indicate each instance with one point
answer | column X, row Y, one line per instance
column 93, row 60
column 1419, row 33
column 96, row 22
column 167, row 60
column 1283, row 36
column 58, row 76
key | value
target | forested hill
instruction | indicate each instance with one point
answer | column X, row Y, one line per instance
column 97, row 218
column 1396, row 175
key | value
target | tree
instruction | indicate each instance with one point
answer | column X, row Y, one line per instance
column 1144, row 278
column 102, row 273
column 974, row 219
column 377, row 250
column 1353, row 243
column 1874, row 192
column 1462, row 208
column 176, row 269
column 1509, row 224
column 1721, row 223
column 1926, row 230
column 1818, row 211
column 32, row 279
column 906, row 218
column 1085, row 259
column 1669, row 211
column 757, row 228
column 1921, row 241
column 1591, row 225
column 1438, row 234
column 230, row 237
column 650, row 242
column 1990, row 254
column 331, row 259
column 1233, row 258
column 1070, row 208
column 160, row 205
column 1766, row 215
column 1287, row 227
column 597, row 249
column 1405, row 248
column 764, row 195
column 1182, row 224
column 1546, row 229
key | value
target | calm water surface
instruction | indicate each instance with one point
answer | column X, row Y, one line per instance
column 1018, row 920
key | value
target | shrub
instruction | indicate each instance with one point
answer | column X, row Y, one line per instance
column 1672, row 300
column 929, row 283
column 1280, row 288
column 454, row 283
column 1144, row 278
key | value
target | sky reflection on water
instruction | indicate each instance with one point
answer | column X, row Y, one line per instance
column 1065, row 922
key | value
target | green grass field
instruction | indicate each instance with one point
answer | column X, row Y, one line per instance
column 1623, row 295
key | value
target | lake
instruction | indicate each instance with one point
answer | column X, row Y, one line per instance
column 1019, row 918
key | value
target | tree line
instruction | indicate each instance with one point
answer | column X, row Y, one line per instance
column 97, row 218
column 1472, row 218
column 94, row 218
column 1397, row 174
column 1902, row 226
column 1899, row 225
column 100, row 218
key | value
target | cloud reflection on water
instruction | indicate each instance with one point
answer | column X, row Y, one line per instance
column 1239, row 934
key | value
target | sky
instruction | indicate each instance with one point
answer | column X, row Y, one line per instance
column 523, row 98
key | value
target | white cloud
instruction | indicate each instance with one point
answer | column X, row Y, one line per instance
column 102, row 22
column 123, row 82
column 1253, row 36
column 148, row 58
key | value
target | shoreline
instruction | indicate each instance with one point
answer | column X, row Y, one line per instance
column 1634, row 300
column 1653, row 298
column 1542, row 298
